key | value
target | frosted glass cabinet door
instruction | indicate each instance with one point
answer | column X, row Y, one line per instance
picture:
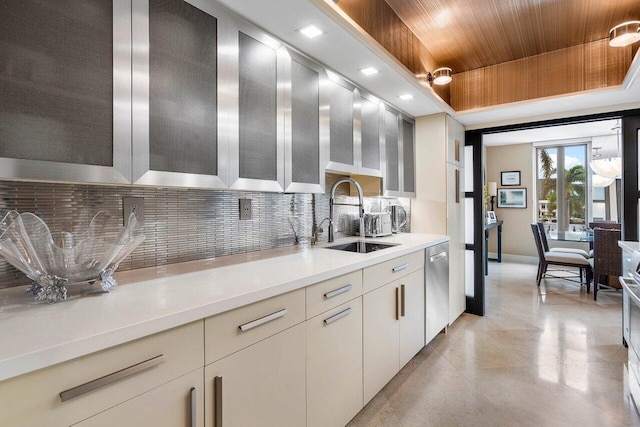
column 257, row 159
column 371, row 130
column 342, row 153
column 65, row 90
column 408, row 158
column 176, row 138
column 393, row 166
column 306, row 130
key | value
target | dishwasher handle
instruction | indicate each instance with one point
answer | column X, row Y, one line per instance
column 438, row 256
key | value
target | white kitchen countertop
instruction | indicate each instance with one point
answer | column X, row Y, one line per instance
column 35, row 335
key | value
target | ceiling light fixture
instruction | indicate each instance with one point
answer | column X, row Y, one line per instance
column 406, row 97
column 369, row 71
column 624, row 34
column 441, row 76
column 608, row 167
column 310, row 31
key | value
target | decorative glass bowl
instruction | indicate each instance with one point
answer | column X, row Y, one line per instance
column 55, row 260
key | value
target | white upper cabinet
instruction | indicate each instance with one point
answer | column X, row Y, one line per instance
column 65, row 91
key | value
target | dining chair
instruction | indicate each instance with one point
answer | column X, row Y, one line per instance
column 563, row 259
column 607, row 258
column 609, row 225
column 545, row 244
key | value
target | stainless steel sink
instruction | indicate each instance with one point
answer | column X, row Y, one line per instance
column 362, row 247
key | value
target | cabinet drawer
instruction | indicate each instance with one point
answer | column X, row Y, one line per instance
column 331, row 293
column 388, row 271
column 99, row 381
column 234, row 330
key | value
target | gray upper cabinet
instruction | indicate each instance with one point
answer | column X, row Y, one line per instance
column 371, row 129
column 257, row 150
column 355, row 137
column 178, row 128
column 306, row 126
column 65, row 95
column 408, row 157
column 342, row 145
column 392, row 149
column 179, row 93
column 399, row 148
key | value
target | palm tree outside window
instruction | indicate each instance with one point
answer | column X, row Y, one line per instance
column 562, row 202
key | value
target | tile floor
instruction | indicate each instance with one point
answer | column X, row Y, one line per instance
column 540, row 357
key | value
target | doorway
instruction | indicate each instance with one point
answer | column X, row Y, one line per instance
column 558, row 200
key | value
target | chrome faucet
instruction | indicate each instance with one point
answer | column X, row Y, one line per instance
column 332, row 203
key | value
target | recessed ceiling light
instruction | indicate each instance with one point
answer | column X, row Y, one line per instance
column 406, row 97
column 310, row 31
column 624, row 34
column 369, row 71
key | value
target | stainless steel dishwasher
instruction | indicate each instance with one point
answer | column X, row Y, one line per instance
column 436, row 290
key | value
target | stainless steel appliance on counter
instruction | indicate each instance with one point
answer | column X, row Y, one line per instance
column 398, row 218
column 377, row 224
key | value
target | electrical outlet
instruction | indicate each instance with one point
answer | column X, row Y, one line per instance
column 133, row 205
column 245, row 208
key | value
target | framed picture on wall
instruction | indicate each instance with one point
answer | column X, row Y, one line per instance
column 512, row 198
column 510, row 178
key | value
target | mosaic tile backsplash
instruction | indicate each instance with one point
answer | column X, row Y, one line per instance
column 186, row 224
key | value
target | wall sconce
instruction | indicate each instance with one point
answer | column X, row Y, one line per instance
column 624, row 34
column 441, row 76
column 493, row 192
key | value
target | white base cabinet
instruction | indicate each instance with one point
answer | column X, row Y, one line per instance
column 393, row 329
column 177, row 403
column 310, row 357
column 261, row 385
column 411, row 316
column 334, row 365
column 381, row 338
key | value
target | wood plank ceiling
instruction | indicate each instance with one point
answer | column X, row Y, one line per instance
column 504, row 51
column 470, row 34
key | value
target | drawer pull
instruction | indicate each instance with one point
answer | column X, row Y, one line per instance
column 261, row 321
column 338, row 316
column 402, row 299
column 338, row 291
column 193, row 407
column 85, row 388
column 437, row 256
column 400, row 267
column 217, row 402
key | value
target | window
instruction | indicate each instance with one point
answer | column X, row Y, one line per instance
column 562, row 189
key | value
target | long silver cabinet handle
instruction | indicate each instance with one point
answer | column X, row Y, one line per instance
column 85, row 388
column 193, row 398
column 402, row 299
column 261, row 321
column 217, row 403
column 397, row 303
column 400, row 267
column 338, row 316
column 338, row 291
column 438, row 256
